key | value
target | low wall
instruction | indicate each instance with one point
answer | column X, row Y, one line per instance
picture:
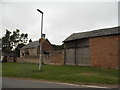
column 28, row 60
column 56, row 57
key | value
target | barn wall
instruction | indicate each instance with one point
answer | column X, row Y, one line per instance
column 47, row 46
column 28, row 52
column 55, row 57
column 77, row 52
column 104, row 51
column 32, row 51
column 36, row 50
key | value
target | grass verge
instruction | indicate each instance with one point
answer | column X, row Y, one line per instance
column 62, row 73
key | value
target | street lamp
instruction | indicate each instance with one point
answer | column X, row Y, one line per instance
column 40, row 60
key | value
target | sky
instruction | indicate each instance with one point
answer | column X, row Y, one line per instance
column 60, row 19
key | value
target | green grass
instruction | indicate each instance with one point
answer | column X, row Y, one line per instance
column 62, row 73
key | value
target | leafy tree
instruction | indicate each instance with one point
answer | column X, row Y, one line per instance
column 17, row 49
column 13, row 41
column 6, row 47
column 14, row 38
column 23, row 38
column 58, row 47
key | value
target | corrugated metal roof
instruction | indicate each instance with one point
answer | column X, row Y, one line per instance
column 95, row 33
column 31, row 45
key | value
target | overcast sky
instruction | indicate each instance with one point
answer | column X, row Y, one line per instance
column 61, row 19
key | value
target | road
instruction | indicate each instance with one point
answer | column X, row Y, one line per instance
column 19, row 83
column 26, row 83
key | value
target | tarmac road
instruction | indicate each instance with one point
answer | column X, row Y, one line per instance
column 19, row 83
column 26, row 83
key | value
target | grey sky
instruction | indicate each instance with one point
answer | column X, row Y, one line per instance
column 60, row 18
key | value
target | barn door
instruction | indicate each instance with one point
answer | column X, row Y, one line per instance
column 82, row 56
column 70, row 56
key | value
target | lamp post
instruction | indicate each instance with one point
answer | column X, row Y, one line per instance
column 40, row 58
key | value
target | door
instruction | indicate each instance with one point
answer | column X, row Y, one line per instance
column 82, row 56
column 70, row 56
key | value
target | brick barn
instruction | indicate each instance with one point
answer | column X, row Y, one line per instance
column 33, row 49
column 100, row 48
column 30, row 53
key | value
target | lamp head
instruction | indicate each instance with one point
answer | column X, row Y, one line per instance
column 39, row 11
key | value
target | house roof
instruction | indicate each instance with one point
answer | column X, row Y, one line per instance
column 95, row 33
column 31, row 45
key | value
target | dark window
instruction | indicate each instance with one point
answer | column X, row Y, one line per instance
column 22, row 54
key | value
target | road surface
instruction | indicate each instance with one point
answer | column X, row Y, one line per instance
column 19, row 83
column 26, row 83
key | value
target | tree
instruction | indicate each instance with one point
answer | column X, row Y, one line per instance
column 17, row 49
column 13, row 41
column 58, row 47
column 23, row 38
column 30, row 40
column 6, row 47
column 14, row 38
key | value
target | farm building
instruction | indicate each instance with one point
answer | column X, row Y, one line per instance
column 33, row 48
column 30, row 53
column 100, row 48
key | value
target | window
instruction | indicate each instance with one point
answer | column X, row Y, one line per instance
column 22, row 54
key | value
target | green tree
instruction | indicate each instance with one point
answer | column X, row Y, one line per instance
column 23, row 38
column 17, row 49
column 58, row 47
column 14, row 38
column 6, row 46
column 13, row 41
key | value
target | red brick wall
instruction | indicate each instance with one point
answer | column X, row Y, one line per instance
column 57, row 57
column 47, row 46
column 104, row 51
column 119, row 51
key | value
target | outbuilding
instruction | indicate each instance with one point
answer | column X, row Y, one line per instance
column 33, row 49
column 100, row 48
